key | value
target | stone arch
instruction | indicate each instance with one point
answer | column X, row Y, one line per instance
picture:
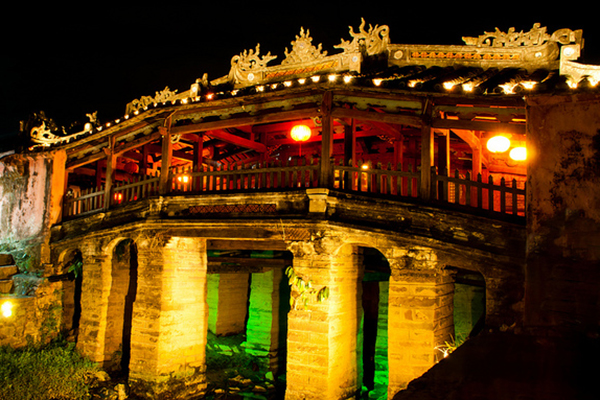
column 469, row 304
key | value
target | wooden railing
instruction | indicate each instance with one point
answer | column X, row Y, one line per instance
column 138, row 188
column 461, row 190
column 365, row 178
column 379, row 179
column 240, row 177
column 85, row 202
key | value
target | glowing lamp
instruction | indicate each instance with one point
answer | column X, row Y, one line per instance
column 118, row 197
column 300, row 133
column 7, row 307
column 518, row 154
column 498, row 144
column 183, row 178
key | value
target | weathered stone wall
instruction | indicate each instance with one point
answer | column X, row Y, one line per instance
column 563, row 223
column 31, row 189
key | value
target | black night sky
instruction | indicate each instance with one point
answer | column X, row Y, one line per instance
column 72, row 61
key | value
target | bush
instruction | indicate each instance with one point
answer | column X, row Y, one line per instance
column 54, row 372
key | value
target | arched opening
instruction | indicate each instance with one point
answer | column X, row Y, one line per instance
column 117, row 344
column 248, row 301
column 72, row 270
column 372, row 343
column 469, row 307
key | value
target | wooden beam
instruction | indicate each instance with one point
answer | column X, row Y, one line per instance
column 243, row 121
column 479, row 126
column 137, row 143
column 399, row 119
column 236, row 140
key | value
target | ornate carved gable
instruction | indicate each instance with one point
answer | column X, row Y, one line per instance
column 303, row 50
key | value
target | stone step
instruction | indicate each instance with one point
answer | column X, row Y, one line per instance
column 6, row 286
column 7, row 271
column 6, row 259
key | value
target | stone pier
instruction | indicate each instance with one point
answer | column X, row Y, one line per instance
column 263, row 328
column 170, row 321
column 228, row 303
column 322, row 337
column 420, row 317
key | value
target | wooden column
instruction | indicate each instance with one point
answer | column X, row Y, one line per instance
column 326, row 173
column 198, row 149
column 443, row 161
column 349, row 151
column 166, row 157
column 426, row 161
column 144, row 163
column 111, row 166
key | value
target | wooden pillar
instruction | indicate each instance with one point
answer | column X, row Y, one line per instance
column 111, row 166
column 326, row 173
column 398, row 152
column 166, row 158
column 198, row 149
column 349, row 151
column 443, row 161
column 426, row 162
column 144, row 163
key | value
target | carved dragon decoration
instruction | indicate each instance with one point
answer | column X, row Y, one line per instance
column 248, row 64
column 536, row 36
column 144, row 102
column 373, row 41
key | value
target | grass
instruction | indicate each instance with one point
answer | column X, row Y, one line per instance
column 52, row 372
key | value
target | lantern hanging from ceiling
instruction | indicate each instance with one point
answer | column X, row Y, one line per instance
column 518, row 154
column 300, row 133
column 498, row 144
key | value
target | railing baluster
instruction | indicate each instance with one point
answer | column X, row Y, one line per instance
column 503, row 196
column 514, row 197
column 491, row 193
column 479, row 192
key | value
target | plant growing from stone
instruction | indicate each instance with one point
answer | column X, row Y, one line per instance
column 302, row 290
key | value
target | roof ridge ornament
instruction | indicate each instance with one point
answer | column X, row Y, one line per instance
column 246, row 65
column 534, row 37
column 374, row 41
column 303, row 50
column 144, row 102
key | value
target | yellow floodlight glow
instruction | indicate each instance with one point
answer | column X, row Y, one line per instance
column 518, row 154
column 498, row 144
column 377, row 81
column 7, row 309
